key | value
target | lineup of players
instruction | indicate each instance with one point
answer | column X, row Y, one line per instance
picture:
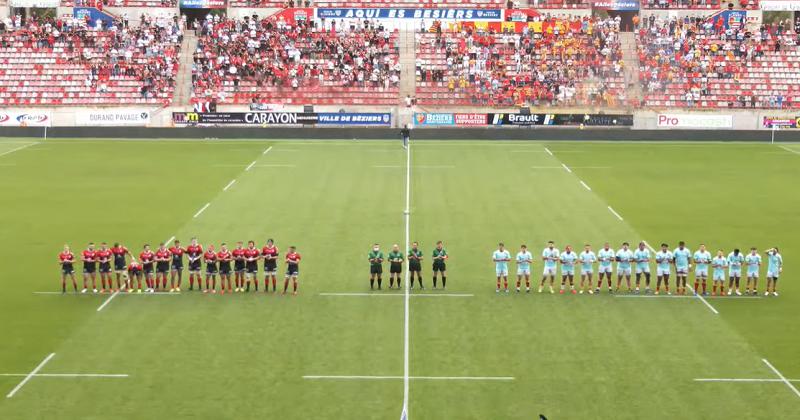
column 156, row 267
column 637, row 262
column 415, row 257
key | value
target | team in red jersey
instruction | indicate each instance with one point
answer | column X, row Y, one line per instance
column 153, row 267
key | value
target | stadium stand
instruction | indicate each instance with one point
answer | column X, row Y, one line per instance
column 119, row 3
column 697, row 4
column 62, row 62
column 565, row 63
column 472, row 4
column 242, row 61
column 694, row 63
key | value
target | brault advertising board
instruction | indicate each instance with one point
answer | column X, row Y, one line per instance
column 560, row 119
column 280, row 118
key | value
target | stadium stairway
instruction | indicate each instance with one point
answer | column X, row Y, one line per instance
column 183, row 85
column 634, row 91
column 408, row 56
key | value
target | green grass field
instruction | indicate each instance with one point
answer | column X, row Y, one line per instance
column 245, row 355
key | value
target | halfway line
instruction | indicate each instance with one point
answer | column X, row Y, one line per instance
column 72, row 375
column 30, row 375
column 432, row 378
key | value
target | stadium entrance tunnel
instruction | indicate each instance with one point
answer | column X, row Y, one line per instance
column 199, row 15
column 626, row 19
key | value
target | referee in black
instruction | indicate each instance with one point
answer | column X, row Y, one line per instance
column 405, row 132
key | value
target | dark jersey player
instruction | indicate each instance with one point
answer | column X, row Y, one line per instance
column 251, row 256
column 176, row 268
column 104, row 256
column 395, row 266
column 147, row 257
column 440, row 264
column 224, row 257
column 135, row 273
column 120, row 270
column 292, row 269
column 210, row 258
column 163, row 258
column 375, row 258
column 415, row 258
column 66, row 259
column 89, row 259
column 194, row 253
column 238, row 266
column 270, row 254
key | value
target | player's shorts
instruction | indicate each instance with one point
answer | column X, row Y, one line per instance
column 623, row 271
column 270, row 266
column 211, row 269
column 251, row 268
column 773, row 274
column 605, row 269
column 105, row 267
column 375, row 269
column 752, row 273
column 147, row 268
column 225, row 269
column 414, row 267
column 194, row 266
column 567, row 271
column 119, row 265
column 586, row 271
column 735, row 272
column 523, row 271
column 701, row 272
column 681, row 271
column 162, row 267
column 238, row 266
column 719, row 276
column 661, row 272
column 67, row 269
column 439, row 266
column 396, row 268
column 643, row 269
column 292, row 270
column 134, row 271
column 89, row 268
column 177, row 265
column 501, row 272
column 549, row 271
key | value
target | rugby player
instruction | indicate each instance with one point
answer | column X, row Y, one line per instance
column 89, row 259
column 270, row 254
column 680, row 258
column 224, row 257
column 735, row 261
column 135, row 273
column 549, row 255
column 120, row 266
column 524, row 261
column 624, row 257
column 663, row 261
column 415, row 258
column 642, row 258
column 568, row 260
column 147, row 257
column 774, row 269
column 701, row 260
column 719, row 263
column 587, row 259
column 501, row 257
column 66, row 259
column 251, row 257
column 176, row 268
column 292, row 269
column 375, row 258
column 104, row 261
column 395, row 266
column 194, row 253
column 238, row 266
column 606, row 257
column 753, row 261
column 440, row 258
column 163, row 257
column 210, row 258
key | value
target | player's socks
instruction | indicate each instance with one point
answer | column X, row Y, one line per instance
column 704, row 287
column 294, row 287
column 285, row 285
column 380, row 280
column 274, row 284
column 434, row 281
column 391, row 282
column 372, row 284
column 63, row 288
column 498, row 284
column 444, row 282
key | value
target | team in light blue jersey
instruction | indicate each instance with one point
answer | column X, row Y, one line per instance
column 664, row 260
column 642, row 258
column 624, row 257
column 774, row 269
column 735, row 262
column 587, row 259
column 753, row 263
column 605, row 257
column 719, row 263
column 681, row 256
column 701, row 258
column 568, row 259
column 550, row 256
column 501, row 257
column 524, row 261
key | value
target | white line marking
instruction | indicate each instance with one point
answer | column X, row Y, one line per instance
column 30, row 375
column 585, row 186
column 783, row 378
column 789, row 150
column 199, row 212
column 686, row 297
column 250, row 166
column 94, row 294
column 566, row 168
column 416, row 167
column 400, row 294
column 615, row 213
column 107, row 301
column 741, row 380
column 548, row 151
column 574, row 167
column 275, row 165
column 8, row 152
column 169, row 241
column 71, row 375
column 407, row 291
column 424, row 378
column 229, row 185
column 266, row 151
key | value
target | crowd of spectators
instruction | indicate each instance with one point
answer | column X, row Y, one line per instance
column 263, row 53
column 693, row 53
column 697, row 4
column 147, row 52
column 565, row 63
